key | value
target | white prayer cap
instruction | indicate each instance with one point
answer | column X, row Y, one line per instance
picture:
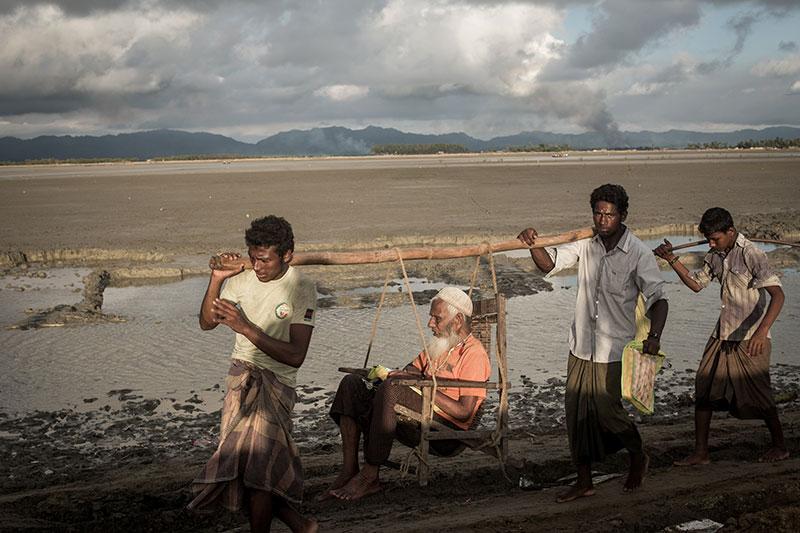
column 457, row 298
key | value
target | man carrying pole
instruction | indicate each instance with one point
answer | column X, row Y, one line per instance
column 614, row 266
column 734, row 372
column 272, row 308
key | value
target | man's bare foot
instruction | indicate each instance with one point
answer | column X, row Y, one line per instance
column 340, row 481
column 773, row 455
column 695, row 459
column 574, row 493
column 638, row 470
column 358, row 487
column 312, row 526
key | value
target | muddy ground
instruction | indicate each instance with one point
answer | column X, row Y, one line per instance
column 192, row 208
column 128, row 469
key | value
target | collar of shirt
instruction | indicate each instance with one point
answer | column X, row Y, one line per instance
column 623, row 244
column 741, row 241
column 738, row 245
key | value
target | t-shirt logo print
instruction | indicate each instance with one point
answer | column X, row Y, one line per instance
column 282, row 310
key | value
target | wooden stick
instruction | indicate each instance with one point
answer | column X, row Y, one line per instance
column 391, row 254
column 689, row 245
column 705, row 241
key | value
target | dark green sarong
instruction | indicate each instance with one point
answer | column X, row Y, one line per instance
column 597, row 423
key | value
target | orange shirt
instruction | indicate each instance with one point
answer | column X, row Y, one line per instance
column 467, row 361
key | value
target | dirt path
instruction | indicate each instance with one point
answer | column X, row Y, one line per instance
column 672, row 496
column 730, row 491
column 467, row 493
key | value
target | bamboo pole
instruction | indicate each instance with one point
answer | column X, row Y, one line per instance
column 391, row 254
column 768, row 241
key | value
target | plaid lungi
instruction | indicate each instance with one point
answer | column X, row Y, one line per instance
column 256, row 449
column 728, row 379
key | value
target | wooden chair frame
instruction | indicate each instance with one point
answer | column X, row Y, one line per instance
column 494, row 441
column 486, row 313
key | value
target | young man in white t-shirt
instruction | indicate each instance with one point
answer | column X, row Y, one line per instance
column 272, row 309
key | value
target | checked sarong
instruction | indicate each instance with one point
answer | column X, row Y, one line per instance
column 256, row 450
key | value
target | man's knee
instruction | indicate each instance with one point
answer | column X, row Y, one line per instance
column 351, row 398
column 350, row 383
column 390, row 392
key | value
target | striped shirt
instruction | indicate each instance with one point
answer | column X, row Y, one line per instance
column 743, row 274
column 609, row 284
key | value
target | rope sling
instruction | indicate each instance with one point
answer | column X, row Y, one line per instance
column 497, row 434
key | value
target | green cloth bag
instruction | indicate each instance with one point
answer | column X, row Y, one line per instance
column 639, row 372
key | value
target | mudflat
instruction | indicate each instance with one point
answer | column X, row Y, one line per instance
column 127, row 464
column 201, row 207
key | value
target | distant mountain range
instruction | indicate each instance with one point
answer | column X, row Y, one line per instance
column 344, row 141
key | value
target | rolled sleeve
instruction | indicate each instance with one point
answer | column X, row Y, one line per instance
column 703, row 276
column 771, row 281
column 758, row 264
column 564, row 257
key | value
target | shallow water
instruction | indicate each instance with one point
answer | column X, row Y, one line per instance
column 160, row 352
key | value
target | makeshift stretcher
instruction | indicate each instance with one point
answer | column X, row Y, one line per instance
column 488, row 324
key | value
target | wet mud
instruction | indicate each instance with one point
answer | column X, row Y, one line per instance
column 87, row 311
column 127, row 465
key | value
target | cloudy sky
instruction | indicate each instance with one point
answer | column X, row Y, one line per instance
column 250, row 68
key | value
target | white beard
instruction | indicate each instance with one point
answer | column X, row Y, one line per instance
column 440, row 346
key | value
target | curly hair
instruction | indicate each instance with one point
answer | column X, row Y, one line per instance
column 271, row 231
column 613, row 194
column 714, row 220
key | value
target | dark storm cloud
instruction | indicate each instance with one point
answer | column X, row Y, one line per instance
column 251, row 64
column 787, row 46
column 77, row 7
column 49, row 104
column 424, row 92
column 675, row 73
column 622, row 27
column 742, row 26
column 86, row 7
column 774, row 5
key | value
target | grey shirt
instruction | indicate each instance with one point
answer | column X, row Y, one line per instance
column 608, row 287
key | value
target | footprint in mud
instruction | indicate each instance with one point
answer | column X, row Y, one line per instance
column 124, row 394
column 142, row 407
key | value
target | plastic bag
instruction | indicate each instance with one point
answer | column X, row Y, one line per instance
column 639, row 372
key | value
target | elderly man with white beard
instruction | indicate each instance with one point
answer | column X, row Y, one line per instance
column 454, row 354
